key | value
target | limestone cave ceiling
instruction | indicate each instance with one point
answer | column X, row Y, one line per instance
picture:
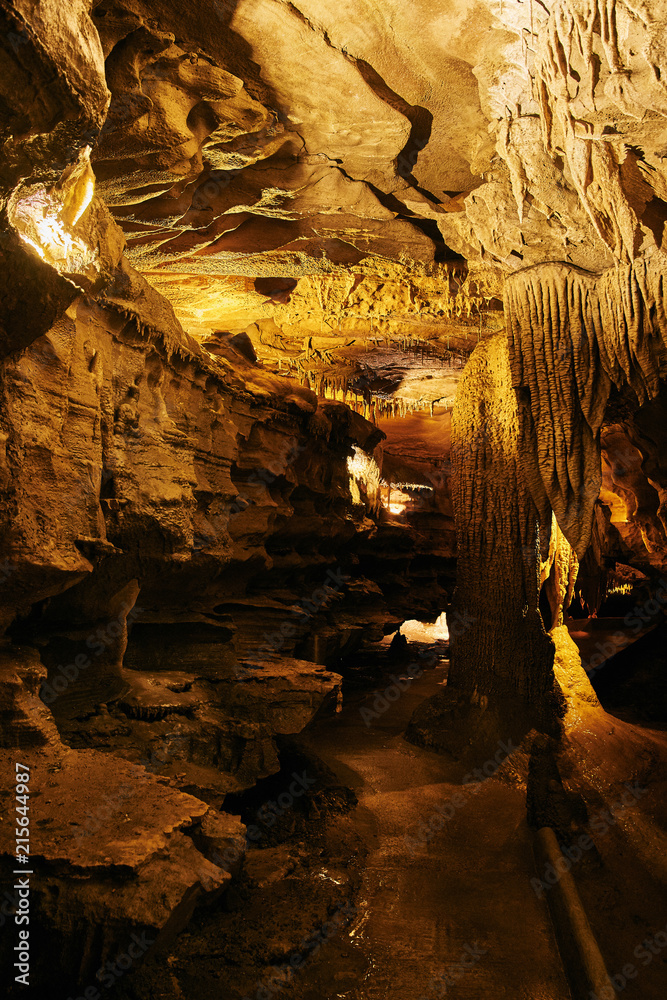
column 383, row 168
column 264, row 137
column 317, row 316
column 365, row 145
column 347, row 194
column 247, row 140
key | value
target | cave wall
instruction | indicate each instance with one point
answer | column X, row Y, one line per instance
column 202, row 510
column 219, row 166
column 187, row 550
column 180, row 532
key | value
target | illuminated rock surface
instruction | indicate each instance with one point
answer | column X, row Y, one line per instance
column 317, row 318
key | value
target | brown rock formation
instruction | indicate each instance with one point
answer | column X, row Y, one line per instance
column 308, row 311
column 501, row 656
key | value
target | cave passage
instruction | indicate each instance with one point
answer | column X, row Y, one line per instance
column 333, row 500
column 402, row 870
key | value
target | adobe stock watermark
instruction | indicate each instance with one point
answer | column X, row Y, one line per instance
column 270, row 985
column 649, row 949
column 600, row 823
column 468, row 959
column 641, row 616
column 458, row 624
column 266, row 816
column 447, row 809
column 259, row 477
column 97, row 642
column 97, row 818
column 382, row 701
column 109, row 974
column 303, row 612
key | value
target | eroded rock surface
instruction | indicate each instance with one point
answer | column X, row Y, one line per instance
column 248, row 247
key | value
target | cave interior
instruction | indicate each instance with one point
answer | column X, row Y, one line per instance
column 333, row 499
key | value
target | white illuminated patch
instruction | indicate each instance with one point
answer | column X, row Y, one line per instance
column 395, row 508
column 44, row 218
column 87, row 192
column 364, row 472
column 398, row 497
column 415, row 631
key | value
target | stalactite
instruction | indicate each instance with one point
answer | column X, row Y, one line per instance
column 572, row 335
column 558, row 572
column 593, row 162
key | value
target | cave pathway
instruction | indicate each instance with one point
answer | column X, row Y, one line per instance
column 422, row 910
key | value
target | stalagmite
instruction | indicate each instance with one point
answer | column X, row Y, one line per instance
column 501, row 646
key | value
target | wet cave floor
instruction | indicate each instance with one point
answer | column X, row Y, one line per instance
column 445, row 911
column 394, row 878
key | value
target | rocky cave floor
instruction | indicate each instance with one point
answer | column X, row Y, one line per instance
column 315, row 318
column 403, row 902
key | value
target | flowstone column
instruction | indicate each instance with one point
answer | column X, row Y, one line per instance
column 500, row 648
column 501, row 680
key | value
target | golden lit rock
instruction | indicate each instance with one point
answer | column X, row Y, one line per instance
column 333, row 499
